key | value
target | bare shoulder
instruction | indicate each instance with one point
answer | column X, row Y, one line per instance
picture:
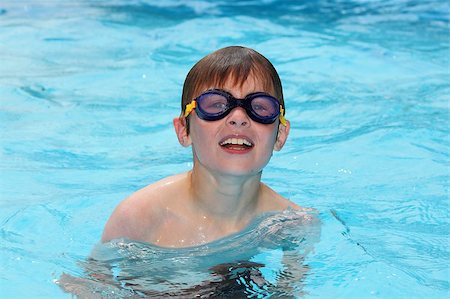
column 139, row 215
column 275, row 202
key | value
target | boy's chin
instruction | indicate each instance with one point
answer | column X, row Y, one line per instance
column 240, row 170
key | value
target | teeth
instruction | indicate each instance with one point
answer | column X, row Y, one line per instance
column 238, row 141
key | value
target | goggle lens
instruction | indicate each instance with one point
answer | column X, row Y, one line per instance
column 265, row 106
column 212, row 103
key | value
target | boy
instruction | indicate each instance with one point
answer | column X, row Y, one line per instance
column 233, row 117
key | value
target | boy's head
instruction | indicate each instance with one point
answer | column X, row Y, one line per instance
column 231, row 63
column 213, row 88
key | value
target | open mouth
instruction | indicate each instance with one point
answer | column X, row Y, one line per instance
column 238, row 144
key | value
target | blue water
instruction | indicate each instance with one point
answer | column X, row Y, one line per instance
column 88, row 90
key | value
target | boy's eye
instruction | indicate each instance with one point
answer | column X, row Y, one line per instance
column 259, row 108
column 218, row 105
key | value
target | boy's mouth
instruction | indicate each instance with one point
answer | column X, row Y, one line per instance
column 236, row 144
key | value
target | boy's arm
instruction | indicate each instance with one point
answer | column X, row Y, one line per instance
column 295, row 270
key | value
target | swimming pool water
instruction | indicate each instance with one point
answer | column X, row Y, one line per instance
column 88, row 90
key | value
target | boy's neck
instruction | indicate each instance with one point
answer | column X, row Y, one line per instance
column 226, row 198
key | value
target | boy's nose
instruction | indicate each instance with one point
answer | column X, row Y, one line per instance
column 238, row 118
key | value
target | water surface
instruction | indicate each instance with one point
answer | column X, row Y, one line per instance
column 88, row 90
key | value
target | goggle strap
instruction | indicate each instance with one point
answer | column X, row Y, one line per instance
column 282, row 119
column 190, row 107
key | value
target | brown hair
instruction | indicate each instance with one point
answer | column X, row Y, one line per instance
column 234, row 62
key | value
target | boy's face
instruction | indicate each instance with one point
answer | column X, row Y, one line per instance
column 235, row 144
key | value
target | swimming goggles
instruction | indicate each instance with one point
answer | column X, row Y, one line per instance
column 215, row 104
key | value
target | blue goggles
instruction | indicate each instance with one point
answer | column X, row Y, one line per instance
column 215, row 104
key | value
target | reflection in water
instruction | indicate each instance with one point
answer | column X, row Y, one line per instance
column 266, row 259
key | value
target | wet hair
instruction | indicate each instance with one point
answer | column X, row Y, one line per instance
column 235, row 63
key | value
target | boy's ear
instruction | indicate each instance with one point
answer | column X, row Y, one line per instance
column 283, row 132
column 180, row 126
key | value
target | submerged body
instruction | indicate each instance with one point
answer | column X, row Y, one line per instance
column 266, row 259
